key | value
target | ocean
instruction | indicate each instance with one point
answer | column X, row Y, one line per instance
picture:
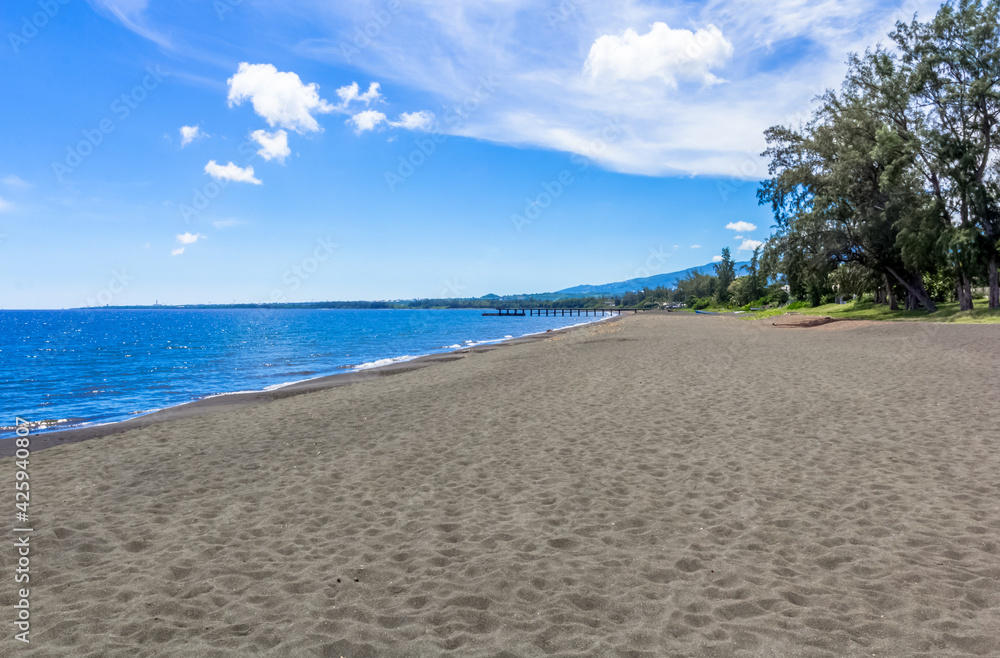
column 72, row 368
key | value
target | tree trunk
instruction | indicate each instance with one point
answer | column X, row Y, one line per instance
column 915, row 289
column 994, row 282
column 919, row 295
column 964, row 292
column 890, row 296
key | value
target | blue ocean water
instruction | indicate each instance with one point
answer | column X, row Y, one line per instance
column 78, row 367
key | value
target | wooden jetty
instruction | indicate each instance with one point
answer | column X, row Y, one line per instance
column 522, row 312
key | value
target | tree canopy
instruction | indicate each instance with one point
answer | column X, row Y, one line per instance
column 896, row 175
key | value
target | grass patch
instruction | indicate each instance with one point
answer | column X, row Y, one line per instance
column 769, row 313
column 868, row 311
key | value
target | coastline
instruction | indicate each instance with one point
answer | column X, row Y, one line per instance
column 222, row 402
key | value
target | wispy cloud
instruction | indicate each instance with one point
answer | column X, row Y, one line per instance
column 131, row 14
column 5, row 206
column 226, row 223
column 696, row 246
column 15, row 181
column 231, row 172
column 694, row 85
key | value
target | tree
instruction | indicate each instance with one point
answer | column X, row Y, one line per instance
column 696, row 285
column 953, row 63
column 725, row 271
column 754, row 286
column 838, row 188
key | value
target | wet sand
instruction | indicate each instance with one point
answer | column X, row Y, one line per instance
column 662, row 485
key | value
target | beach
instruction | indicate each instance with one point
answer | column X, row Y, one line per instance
column 656, row 485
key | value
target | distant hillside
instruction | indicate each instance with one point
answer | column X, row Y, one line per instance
column 668, row 280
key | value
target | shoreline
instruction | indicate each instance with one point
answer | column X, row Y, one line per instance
column 222, row 402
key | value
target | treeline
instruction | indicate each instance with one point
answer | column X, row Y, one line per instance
column 893, row 187
column 748, row 286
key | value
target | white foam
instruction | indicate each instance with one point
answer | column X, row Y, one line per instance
column 383, row 362
column 216, row 395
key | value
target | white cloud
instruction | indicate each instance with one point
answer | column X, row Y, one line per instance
column 273, row 146
column 696, row 246
column 189, row 238
column 189, row 134
column 662, row 53
column 524, row 85
column 716, row 259
column 15, row 181
column 738, row 237
column 414, row 120
column 279, row 97
column 230, row 172
column 741, row 227
column 177, row 252
column 750, row 245
column 5, row 206
column 367, row 120
column 351, row 93
column 372, row 119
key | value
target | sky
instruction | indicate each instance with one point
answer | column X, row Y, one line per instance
column 226, row 151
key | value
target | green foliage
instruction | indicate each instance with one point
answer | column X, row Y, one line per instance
column 794, row 306
column 695, row 285
column 777, row 296
column 725, row 271
column 893, row 184
column 940, row 285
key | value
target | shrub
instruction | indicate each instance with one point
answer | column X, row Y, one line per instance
column 701, row 303
column 778, row 297
column 797, row 305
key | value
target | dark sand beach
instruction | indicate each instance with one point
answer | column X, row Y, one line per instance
column 660, row 485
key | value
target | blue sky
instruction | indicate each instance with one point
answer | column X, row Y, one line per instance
column 227, row 150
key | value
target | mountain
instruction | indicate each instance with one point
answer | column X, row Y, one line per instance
column 668, row 280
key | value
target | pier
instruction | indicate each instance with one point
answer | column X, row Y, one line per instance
column 522, row 312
